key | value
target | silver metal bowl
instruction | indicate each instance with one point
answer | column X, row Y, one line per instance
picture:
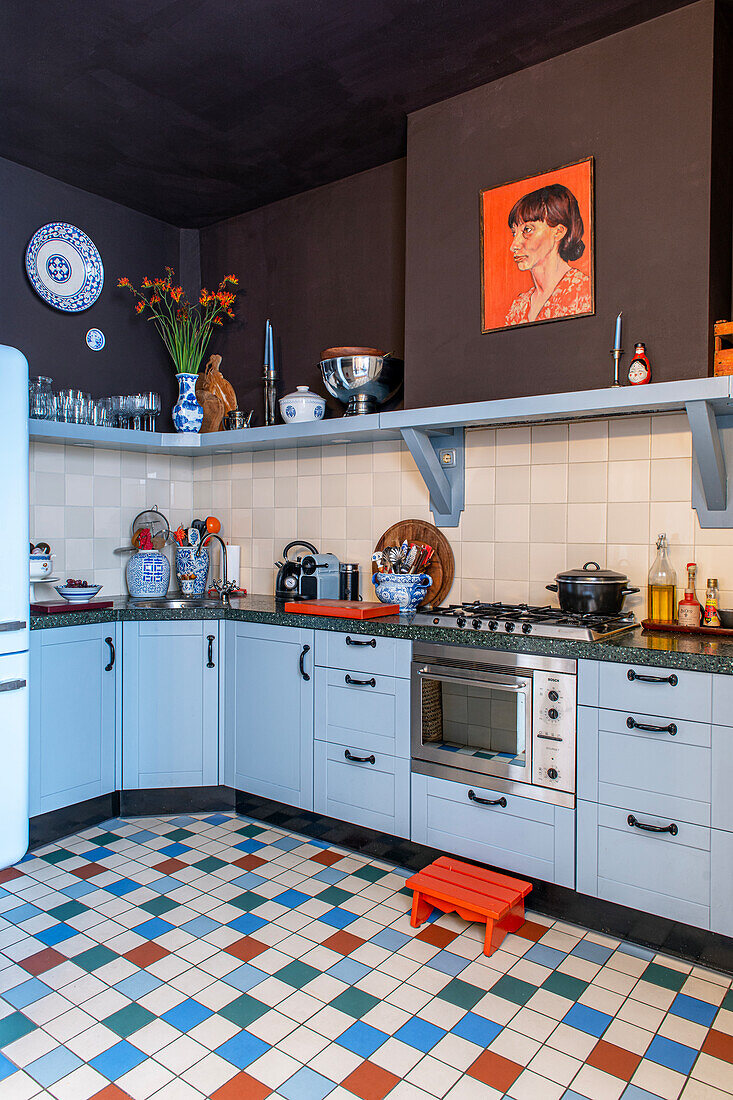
column 362, row 382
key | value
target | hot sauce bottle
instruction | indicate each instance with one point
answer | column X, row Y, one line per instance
column 711, row 616
column 689, row 611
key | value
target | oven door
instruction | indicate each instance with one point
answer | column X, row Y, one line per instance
column 477, row 720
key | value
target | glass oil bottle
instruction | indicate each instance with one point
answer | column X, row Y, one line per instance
column 661, row 603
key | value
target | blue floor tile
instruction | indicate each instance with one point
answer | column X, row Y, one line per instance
column 51, row 1067
column 545, row 956
column 633, row 1092
column 390, row 939
column 248, row 881
column 117, row 1061
column 152, row 929
column 186, row 1015
column 349, row 971
column 362, row 1039
column 247, row 924
column 175, row 849
column 137, row 985
column 245, row 977
column 690, row 1008
column 141, row 836
column 57, row 933
column 419, row 1034
column 592, row 952
column 477, row 1029
column 330, row 875
column 95, row 854
column 81, row 889
column 218, row 819
column 587, row 1019
column 242, row 1049
column 670, row 1054
column 635, row 950
column 448, row 963
column 200, row 926
column 26, row 993
column 306, row 1084
column 121, row 887
column 165, row 885
column 291, row 899
column 182, row 821
column 6, row 1067
column 249, row 846
column 338, row 918
column 22, row 913
column 287, row 843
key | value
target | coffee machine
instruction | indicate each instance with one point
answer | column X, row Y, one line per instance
column 310, row 576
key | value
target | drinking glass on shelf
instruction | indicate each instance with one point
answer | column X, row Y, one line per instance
column 40, row 398
column 152, row 408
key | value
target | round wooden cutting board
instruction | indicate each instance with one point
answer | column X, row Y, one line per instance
column 443, row 566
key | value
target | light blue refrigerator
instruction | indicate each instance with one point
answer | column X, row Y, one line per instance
column 14, row 606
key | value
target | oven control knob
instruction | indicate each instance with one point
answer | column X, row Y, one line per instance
column 493, row 625
column 553, row 696
column 509, row 627
column 476, row 624
column 552, row 773
column 552, row 713
column 526, row 628
column 460, row 621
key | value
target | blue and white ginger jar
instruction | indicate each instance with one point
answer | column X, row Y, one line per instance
column 188, row 416
column 188, row 561
column 148, row 575
column 406, row 589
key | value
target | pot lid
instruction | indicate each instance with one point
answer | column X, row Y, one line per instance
column 301, row 391
column 591, row 573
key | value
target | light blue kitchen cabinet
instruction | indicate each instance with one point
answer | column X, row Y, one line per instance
column 268, row 726
column 74, row 686
column 363, row 787
column 170, row 704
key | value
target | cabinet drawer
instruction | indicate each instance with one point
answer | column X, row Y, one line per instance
column 662, row 773
column 689, row 695
column 375, row 712
column 723, row 700
column 374, row 792
column 364, row 653
column 524, row 836
column 653, row 872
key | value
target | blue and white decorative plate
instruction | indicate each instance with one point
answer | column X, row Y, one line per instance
column 64, row 267
column 95, row 339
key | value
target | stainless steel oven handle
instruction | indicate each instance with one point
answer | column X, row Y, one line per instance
column 490, row 681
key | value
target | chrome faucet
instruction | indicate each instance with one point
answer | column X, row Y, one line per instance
column 224, row 587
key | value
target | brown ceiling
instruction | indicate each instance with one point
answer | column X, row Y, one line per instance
column 197, row 110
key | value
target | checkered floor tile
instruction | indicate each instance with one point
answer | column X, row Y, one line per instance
column 214, row 956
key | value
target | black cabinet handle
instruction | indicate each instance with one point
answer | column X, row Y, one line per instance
column 303, row 673
column 360, row 683
column 210, row 640
column 672, row 829
column 355, row 641
column 671, row 729
column 671, row 680
column 12, row 685
column 360, row 759
column 111, row 665
column 487, row 801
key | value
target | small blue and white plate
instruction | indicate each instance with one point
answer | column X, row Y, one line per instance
column 64, row 267
column 95, row 339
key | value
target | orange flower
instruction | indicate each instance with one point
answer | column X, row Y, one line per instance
column 155, row 298
column 147, row 282
column 176, row 293
column 124, row 281
column 140, row 306
column 217, row 321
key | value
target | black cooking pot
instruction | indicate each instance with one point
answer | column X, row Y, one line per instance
column 591, row 590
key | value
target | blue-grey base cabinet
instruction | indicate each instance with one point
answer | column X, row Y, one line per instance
column 268, row 725
column 523, row 836
column 74, row 693
column 170, row 704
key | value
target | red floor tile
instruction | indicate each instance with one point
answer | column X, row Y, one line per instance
column 614, row 1060
column 88, row 870
column 327, row 858
column 249, row 863
column 242, row 1087
column 532, row 931
column 245, row 949
column 370, row 1082
column 111, row 1092
column 146, row 954
column 42, row 961
column 170, row 866
column 343, row 942
column 435, row 936
column 491, row 1069
column 9, row 874
column 718, row 1044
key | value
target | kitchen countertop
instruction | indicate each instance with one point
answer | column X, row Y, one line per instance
column 683, row 651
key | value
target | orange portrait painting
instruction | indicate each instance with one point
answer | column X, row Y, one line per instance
column 537, row 248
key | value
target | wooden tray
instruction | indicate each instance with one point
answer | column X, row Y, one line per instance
column 342, row 609
column 443, row 566
column 700, row 631
column 62, row 607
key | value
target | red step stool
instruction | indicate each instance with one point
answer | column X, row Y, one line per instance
column 473, row 893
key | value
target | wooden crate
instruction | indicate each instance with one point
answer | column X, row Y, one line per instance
column 723, row 347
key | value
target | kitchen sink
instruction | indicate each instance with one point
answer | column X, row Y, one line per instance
column 173, row 604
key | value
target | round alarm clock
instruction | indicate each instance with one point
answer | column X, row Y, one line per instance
column 640, row 371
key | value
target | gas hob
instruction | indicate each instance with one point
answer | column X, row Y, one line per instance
column 523, row 619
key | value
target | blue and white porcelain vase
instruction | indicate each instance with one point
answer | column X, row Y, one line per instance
column 406, row 589
column 189, row 562
column 188, row 415
column 148, row 575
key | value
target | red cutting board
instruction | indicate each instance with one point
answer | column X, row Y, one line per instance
column 50, row 607
column 343, row 609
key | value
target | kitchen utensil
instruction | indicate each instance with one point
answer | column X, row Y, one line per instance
column 213, row 526
column 155, row 522
column 342, row 609
column 193, row 536
column 591, row 590
column 361, row 382
column 78, row 595
column 302, row 406
column 236, row 420
column 440, row 566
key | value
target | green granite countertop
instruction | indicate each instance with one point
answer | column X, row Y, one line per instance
column 683, row 651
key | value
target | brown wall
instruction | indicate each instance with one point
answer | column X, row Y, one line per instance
column 640, row 102
column 327, row 267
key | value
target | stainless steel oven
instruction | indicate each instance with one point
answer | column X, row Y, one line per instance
column 507, row 717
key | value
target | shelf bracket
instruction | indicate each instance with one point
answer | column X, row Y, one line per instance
column 712, row 449
column 446, row 483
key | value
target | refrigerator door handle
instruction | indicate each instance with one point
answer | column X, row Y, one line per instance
column 12, row 685
column 12, row 625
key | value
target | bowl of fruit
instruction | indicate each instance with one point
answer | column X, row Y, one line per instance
column 78, row 591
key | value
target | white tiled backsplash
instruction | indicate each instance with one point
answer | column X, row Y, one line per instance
column 538, row 500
